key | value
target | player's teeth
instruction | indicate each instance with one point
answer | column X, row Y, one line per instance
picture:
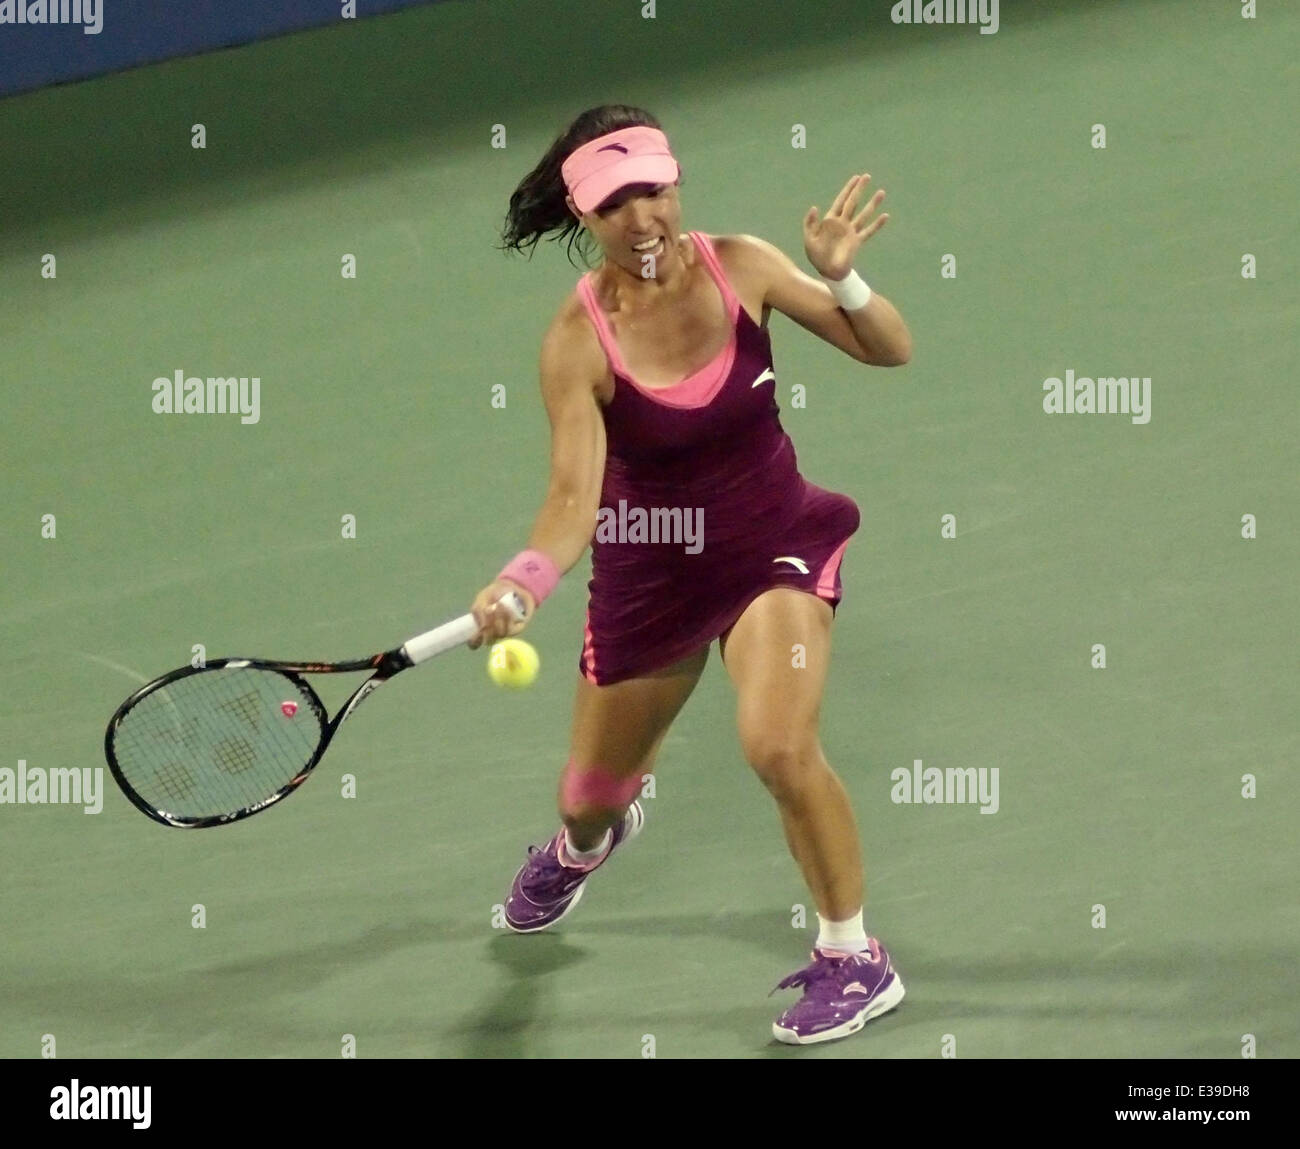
column 647, row 246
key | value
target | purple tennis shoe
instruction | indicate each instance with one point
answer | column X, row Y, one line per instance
column 544, row 890
column 841, row 993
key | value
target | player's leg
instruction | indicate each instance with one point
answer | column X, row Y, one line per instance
column 615, row 737
column 777, row 654
column 617, row 731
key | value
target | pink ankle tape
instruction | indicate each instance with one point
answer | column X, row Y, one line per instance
column 597, row 786
column 535, row 571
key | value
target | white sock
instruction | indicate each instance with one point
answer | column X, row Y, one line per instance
column 583, row 858
column 847, row 937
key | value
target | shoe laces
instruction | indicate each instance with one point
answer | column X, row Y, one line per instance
column 822, row 966
column 547, row 874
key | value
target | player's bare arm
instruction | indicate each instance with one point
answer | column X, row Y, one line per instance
column 876, row 334
column 571, row 367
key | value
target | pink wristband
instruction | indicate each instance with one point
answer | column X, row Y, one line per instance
column 534, row 571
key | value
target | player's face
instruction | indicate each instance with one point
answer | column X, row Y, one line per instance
column 633, row 215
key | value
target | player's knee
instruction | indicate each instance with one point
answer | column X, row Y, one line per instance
column 783, row 760
column 588, row 794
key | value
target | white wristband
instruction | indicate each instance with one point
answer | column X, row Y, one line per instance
column 851, row 293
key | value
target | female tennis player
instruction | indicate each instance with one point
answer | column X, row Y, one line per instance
column 659, row 383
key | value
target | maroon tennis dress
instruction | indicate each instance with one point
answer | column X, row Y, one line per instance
column 734, row 516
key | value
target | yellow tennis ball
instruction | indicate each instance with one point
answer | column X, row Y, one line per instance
column 514, row 663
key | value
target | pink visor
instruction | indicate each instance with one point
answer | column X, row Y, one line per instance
column 638, row 155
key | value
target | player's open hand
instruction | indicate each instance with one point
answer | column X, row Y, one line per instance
column 494, row 617
column 832, row 242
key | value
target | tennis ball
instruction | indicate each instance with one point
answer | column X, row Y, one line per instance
column 513, row 662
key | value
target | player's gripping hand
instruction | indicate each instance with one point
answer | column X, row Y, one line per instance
column 494, row 617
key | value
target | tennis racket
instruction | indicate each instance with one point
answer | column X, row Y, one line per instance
column 209, row 745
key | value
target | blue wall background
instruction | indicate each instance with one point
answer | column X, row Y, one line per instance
column 144, row 31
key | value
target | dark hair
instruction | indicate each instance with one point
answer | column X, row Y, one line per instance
column 537, row 206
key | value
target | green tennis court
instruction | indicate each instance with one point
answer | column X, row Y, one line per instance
column 372, row 916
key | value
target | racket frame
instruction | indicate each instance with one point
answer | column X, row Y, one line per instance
column 385, row 666
column 391, row 662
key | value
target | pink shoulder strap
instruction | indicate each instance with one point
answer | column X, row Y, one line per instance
column 705, row 244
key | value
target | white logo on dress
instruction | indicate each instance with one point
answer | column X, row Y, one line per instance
column 798, row 564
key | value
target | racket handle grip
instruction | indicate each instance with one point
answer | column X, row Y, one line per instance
column 455, row 633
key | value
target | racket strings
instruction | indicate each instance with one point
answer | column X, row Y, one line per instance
column 218, row 741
